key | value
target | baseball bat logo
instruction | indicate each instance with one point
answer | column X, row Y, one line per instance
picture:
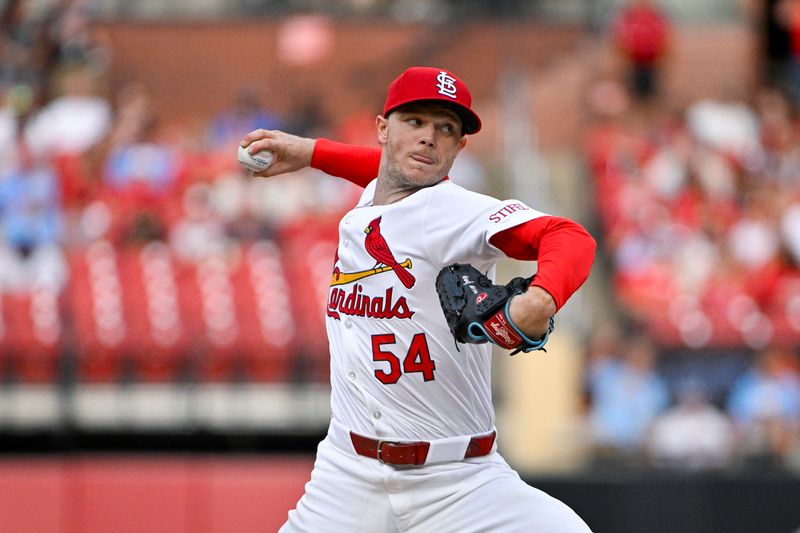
column 343, row 278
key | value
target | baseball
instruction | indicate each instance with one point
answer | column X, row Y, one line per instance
column 254, row 162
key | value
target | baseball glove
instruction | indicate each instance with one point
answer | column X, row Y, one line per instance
column 477, row 310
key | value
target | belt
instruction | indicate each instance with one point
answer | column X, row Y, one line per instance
column 416, row 453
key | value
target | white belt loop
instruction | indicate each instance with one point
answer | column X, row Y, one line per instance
column 446, row 450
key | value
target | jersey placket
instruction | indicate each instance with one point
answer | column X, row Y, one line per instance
column 348, row 347
column 353, row 350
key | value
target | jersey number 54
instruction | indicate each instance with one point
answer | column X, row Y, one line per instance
column 418, row 358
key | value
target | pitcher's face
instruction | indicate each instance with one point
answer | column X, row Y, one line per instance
column 420, row 142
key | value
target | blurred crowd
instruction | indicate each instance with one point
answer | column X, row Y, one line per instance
column 138, row 245
column 637, row 414
column 100, row 195
column 698, row 210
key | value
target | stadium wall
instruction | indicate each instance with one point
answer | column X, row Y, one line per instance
column 253, row 494
column 194, row 69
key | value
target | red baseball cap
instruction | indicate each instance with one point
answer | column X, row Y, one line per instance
column 425, row 84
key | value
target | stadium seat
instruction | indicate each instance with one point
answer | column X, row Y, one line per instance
column 309, row 247
column 32, row 334
column 159, row 341
column 97, row 311
column 267, row 324
column 207, row 299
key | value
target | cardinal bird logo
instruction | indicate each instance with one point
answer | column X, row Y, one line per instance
column 376, row 246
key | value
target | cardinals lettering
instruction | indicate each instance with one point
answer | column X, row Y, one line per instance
column 357, row 304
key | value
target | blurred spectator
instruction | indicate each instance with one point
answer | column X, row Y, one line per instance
column 72, row 122
column 765, row 405
column 72, row 37
column 133, row 114
column 605, row 342
column 626, row 395
column 24, row 58
column 693, row 434
column 142, row 181
column 144, row 227
column 245, row 114
column 754, row 238
column 146, row 163
column 250, row 209
column 787, row 15
column 780, row 151
column 641, row 33
column 31, row 222
column 726, row 123
column 697, row 213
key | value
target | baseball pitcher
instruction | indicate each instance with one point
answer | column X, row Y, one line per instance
column 412, row 313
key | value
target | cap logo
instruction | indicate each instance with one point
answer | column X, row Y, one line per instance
column 446, row 85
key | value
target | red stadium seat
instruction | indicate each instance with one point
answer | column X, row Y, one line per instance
column 309, row 249
column 267, row 324
column 159, row 342
column 97, row 311
column 32, row 334
column 208, row 301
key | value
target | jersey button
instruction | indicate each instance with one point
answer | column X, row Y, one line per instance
column 351, row 375
column 348, row 323
column 376, row 414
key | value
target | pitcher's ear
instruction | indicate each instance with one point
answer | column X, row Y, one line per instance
column 382, row 127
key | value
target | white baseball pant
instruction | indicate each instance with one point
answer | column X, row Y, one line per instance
column 349, row 493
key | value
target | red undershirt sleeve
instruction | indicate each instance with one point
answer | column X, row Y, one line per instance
column 563, row 248
column 356, row 164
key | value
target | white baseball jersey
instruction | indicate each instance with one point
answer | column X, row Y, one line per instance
column 396, row 374
column 395, row 369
